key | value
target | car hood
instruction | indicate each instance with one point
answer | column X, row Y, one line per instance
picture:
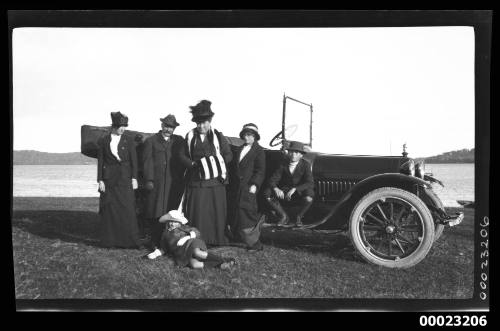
column 353, row 166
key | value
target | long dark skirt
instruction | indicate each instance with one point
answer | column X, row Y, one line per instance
column 206, row 209
column 247, row 225
column 119, row 226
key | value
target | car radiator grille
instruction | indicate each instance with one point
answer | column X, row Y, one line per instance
column 326, row 187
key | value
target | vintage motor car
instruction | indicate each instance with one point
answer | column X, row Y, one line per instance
column 385, row 203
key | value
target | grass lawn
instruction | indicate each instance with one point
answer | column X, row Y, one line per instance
column 56, row 256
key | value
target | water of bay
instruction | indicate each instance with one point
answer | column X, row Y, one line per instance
column 80, row 181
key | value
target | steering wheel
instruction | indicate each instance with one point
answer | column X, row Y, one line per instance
column 278, row 138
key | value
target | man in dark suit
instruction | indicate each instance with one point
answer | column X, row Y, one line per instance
column 163, row 174
column 291, row 183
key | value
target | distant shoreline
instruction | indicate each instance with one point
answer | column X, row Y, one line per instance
column 31, row 157
column 95, row 163
column 49, row 164
column 460, row 156
column 455, row 162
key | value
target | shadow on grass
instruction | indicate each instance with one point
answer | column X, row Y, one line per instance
column 68, row 226
column 336, row 245
column 83, row 227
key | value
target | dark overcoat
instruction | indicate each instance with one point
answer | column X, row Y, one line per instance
column 245, row 173
column 301, row 179
column 243, row 212
column 163, row 167
column 112, row 171
column 118, row 226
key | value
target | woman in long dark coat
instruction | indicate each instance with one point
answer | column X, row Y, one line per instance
column 247, row 171
column 117, row 178
column 206, row 153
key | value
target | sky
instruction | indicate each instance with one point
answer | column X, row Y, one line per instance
column 372, row 89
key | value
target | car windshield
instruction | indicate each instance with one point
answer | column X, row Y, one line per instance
column 297, row 121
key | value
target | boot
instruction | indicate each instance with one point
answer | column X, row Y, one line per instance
column 213, row 260
column 216, row 261
column 255, row 247
column 283, row 221
column 305, row 206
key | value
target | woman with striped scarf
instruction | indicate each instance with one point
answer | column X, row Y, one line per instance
column 206, row 153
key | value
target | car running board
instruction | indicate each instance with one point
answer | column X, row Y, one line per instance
column 327, row 216
column 318, row 223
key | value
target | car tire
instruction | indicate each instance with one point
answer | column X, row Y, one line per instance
column 409, row 204
column 438, row 231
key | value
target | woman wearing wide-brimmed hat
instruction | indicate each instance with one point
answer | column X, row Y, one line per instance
column 117, row 178
column 247, row 172
column 206, row 154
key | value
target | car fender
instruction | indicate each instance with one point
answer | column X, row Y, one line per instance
column 411, row 184
column 338, row 216
column 405, row 182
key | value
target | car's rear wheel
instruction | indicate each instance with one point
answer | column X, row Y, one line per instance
column 392, row 228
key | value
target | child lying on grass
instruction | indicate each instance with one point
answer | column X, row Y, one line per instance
column 184, row 244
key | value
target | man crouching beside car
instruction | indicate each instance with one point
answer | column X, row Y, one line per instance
column 291, row 184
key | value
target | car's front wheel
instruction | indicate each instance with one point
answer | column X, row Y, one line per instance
column 392, row 228
column 438, row 231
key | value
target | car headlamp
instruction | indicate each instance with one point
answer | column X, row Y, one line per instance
column 408, row 168
column 420, row 170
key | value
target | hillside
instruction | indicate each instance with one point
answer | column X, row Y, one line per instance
column 459, row 156
column 39, row 158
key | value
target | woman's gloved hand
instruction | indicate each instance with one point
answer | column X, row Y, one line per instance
column 252, row 189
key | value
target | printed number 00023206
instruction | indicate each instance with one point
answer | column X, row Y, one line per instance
column 453, row 320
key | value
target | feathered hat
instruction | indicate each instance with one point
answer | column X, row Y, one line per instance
column 118, row 119
column 202, row 111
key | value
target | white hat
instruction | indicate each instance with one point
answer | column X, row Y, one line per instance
column 174, row 216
